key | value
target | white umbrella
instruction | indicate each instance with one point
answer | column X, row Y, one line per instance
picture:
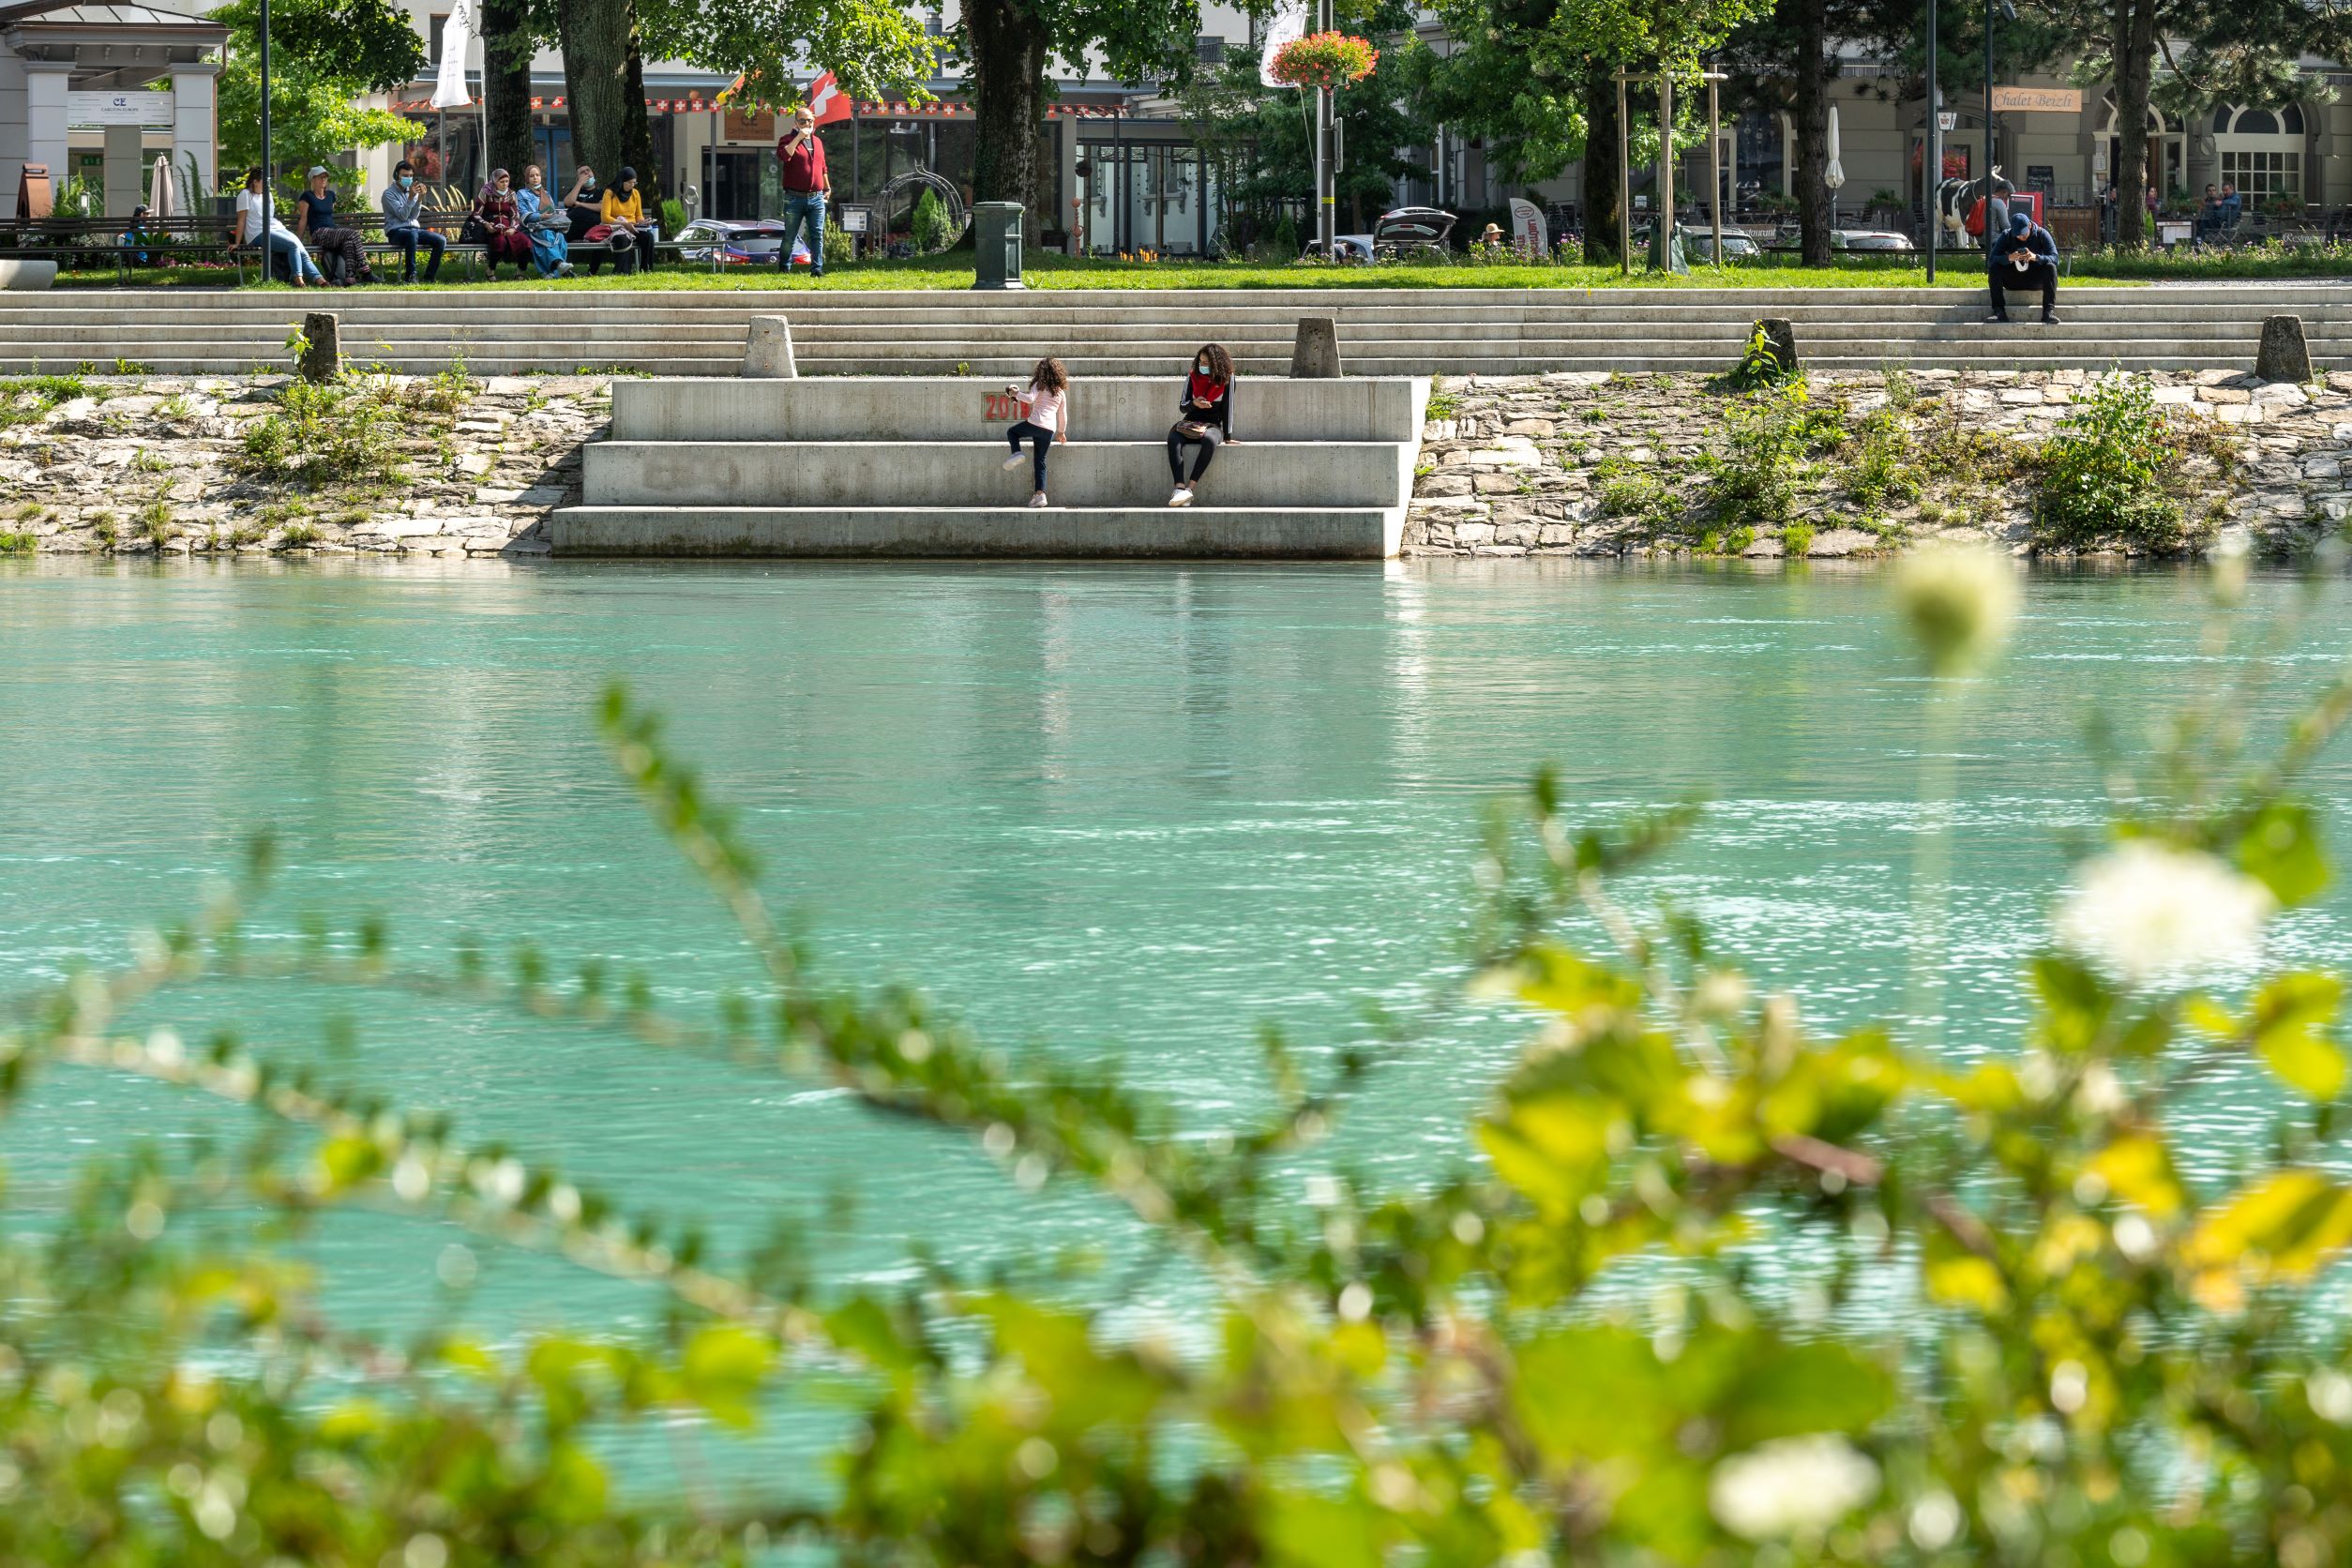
column 162, row 200
column 1834, row 175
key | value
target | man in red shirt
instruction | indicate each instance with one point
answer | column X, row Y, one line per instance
column 805, row 187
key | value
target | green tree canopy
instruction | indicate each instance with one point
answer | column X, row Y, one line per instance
column 1007, row 45
column 323, row 55
column 1535, row 78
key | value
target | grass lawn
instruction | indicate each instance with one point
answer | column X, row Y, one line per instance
column 1045, row 270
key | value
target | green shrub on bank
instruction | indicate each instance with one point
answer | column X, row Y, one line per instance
column 1558, row 1349
column 1769, row 437
column 342, row 432
column 2109, row 471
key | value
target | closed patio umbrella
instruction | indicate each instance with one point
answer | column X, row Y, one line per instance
column 162, row 198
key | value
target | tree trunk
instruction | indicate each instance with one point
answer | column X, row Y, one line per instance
column 1007, row 91
column 1813, row 130
column 506, row 48
column 2134, row 48
column 637, row 127
column 594, row 36
column 1602, row 195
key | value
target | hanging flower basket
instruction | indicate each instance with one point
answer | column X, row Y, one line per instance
column 1324, row 60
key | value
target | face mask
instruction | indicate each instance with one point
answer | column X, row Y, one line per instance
column 407, row 180
column 1203, row 367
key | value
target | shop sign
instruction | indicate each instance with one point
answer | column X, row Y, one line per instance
column 87, row 110
column 2037, row 100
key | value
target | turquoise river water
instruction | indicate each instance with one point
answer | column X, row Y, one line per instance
column 1131, row 811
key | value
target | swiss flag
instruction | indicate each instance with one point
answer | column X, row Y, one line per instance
column 825, row 100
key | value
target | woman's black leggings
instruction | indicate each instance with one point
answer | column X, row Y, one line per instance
column 1208, row 441
column 1037, row 453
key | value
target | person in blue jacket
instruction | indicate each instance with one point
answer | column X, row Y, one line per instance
column 2025, row 258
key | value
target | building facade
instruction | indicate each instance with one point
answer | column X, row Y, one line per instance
column 99, row 92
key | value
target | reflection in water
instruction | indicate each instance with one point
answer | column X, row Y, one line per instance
column 1119, row 811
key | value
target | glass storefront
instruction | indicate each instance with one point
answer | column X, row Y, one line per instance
column 1156, row 196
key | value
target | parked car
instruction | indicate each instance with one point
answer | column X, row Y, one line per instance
column 1351, row 248
column 1412, row 232
column 735, row 242
column 1699, row 245
column 1869, row 239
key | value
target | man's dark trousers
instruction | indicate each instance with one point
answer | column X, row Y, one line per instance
column 2041, row 274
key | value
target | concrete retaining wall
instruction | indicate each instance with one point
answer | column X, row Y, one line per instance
column 967, row 474
column 869, row 408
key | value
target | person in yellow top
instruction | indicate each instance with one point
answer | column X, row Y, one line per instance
column 623, row 215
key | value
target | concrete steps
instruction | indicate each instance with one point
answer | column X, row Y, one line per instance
column 1114, row 474
column 912, row 466
column 1112, row 332
column 1194, row 532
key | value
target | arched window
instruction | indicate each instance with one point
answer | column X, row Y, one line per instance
column 2261, row 150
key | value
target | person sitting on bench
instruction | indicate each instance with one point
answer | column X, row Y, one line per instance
column 405, row 224
column 2025, row 258
column 281, row 245
column 341, row 245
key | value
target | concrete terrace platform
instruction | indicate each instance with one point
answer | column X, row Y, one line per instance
column 898, row 466
column 1142, row 332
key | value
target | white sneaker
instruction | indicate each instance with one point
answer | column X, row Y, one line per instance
column 1182, row 498
column 1038, row 500
column 1011, row 462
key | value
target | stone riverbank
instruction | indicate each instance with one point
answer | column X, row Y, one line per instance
column 1570, row 463
column 444, row 465
column 1596, row 464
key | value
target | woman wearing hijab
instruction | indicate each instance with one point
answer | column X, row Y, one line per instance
column 503, row 239
column 543, row 224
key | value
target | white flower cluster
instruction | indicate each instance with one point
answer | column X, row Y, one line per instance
column 2143, row 911
column 1791, row 1487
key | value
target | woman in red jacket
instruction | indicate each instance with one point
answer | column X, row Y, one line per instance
column 805, row 187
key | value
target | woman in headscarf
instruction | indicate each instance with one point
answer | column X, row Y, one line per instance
column 503, row 239
column 543, row 223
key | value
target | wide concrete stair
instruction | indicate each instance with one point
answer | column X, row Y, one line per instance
column 1120, row 332
column 913, row 466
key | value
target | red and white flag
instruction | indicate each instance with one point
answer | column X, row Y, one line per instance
column 828, row 102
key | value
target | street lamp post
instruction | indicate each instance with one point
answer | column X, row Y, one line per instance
column 1326, row 159
column 1989, row 235
column 1931, row 175
column 269, row 170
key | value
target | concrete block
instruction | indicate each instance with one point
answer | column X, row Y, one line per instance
column 1315, row 355
column 322, row 357
column 2284, row 355
column 767, row 352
